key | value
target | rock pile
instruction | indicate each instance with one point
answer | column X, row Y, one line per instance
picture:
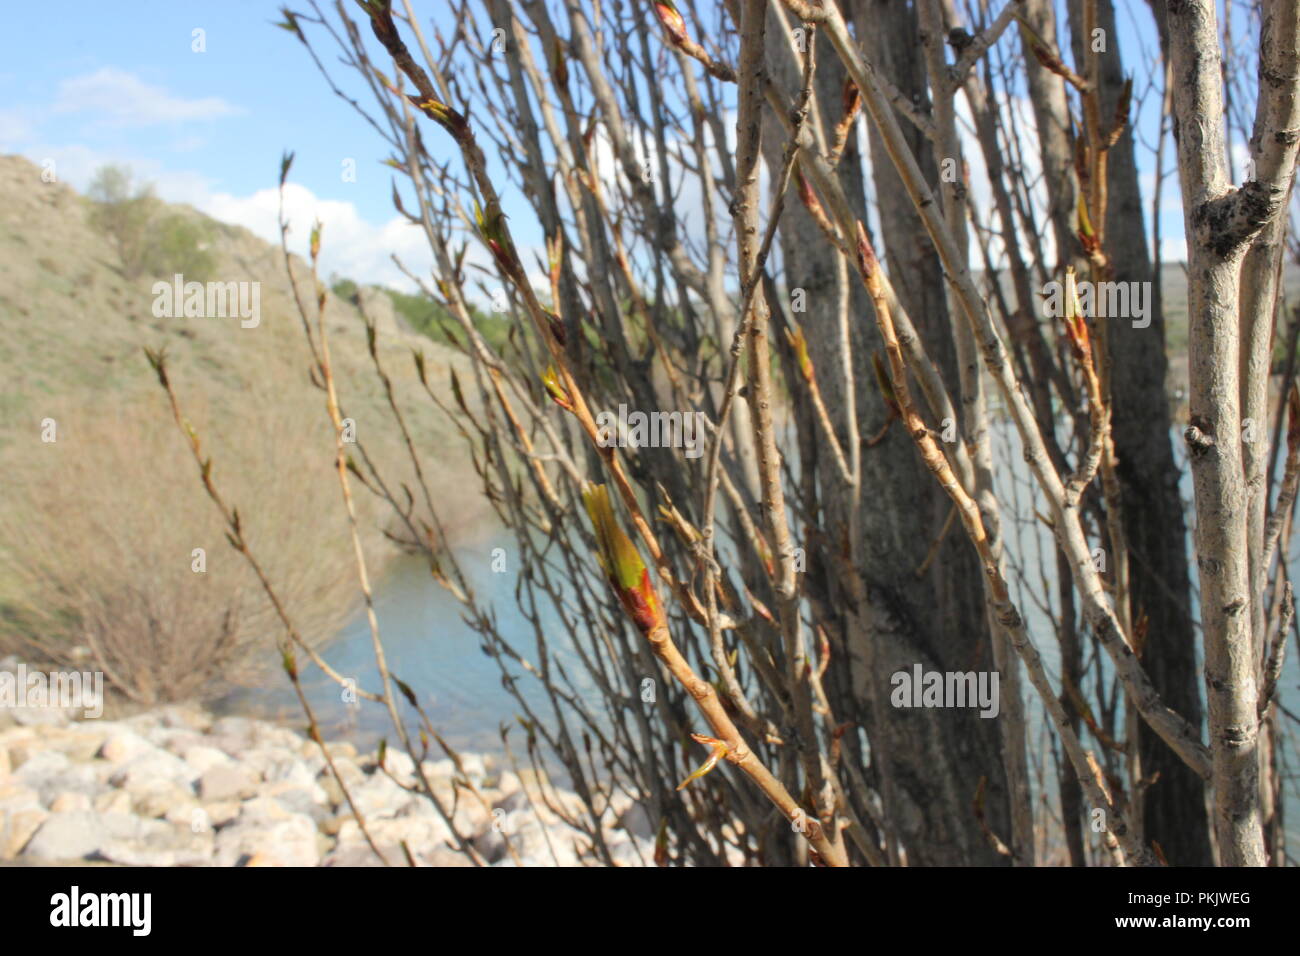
column 178, row 787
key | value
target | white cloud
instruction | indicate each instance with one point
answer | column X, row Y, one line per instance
column 123, row 99
column 350, row 246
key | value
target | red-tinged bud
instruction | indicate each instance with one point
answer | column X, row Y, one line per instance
column 442, row 114
column 1076, row 325
column 1122, row 106
column 719, row 751
column 556, row 326
column 291, row 23
column 661, row 843
column 627, row 573
column 1085, row 221
column 491, row 226
column 555, row 255
column 1047, row 58
column 852, row 97
column 806, row 194
column 800, row 345
column 559, row 63
column 558, row 393
column 672, row 20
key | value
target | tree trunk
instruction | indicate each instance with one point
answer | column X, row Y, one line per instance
column 1173, row 810
column 932, row 759
column 1219, row 221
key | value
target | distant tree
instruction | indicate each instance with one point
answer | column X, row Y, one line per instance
column 122, row 211
column 179, row 244
column 146, row 237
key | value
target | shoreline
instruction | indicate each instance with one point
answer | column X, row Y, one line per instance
column 178, row 785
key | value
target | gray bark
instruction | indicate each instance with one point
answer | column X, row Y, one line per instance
column 1174, row 811
column 1218, row 223
column 927, row 762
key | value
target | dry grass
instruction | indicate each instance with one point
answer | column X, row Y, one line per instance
column 98, row 531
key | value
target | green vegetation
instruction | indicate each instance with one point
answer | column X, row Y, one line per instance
column 148, row 237
column 430, row 317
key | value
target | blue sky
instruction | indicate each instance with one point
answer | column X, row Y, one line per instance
column 89, row 81
column 102, row 81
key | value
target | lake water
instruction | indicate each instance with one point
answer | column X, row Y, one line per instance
column 430, row 646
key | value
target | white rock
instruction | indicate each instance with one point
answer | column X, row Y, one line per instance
column 79, row 835
column 509, row 783
column 262, row 810
column 80, row 742
column 475, row 766
column 160, row 844
column 288, row 842
column 311, row 801
column 15, row 795
column 226, row 782
column 203, row 758
column 164, row 799
column 439, row 771
column 216, row 815
column 380, row 797
column 294, row 771
column 421, row 834
column 113, row 801
column 400, row 765
column 69, row 802
column 271, row 763
column 51, row 773
column 125, row 746
column 186, row 717
column 142, row 772
column 352, row 774
column 269, row 735
column 17, row 828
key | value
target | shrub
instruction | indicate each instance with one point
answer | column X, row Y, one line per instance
column 147, row 238
column 122, row 212
column 97, row 539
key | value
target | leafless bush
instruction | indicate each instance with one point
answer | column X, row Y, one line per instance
column 99, row 532
column 767, row 594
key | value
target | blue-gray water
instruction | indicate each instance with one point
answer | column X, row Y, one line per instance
column 430, row 646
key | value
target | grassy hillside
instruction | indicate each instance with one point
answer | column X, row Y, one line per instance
column 98, row 528
column 73, row 326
